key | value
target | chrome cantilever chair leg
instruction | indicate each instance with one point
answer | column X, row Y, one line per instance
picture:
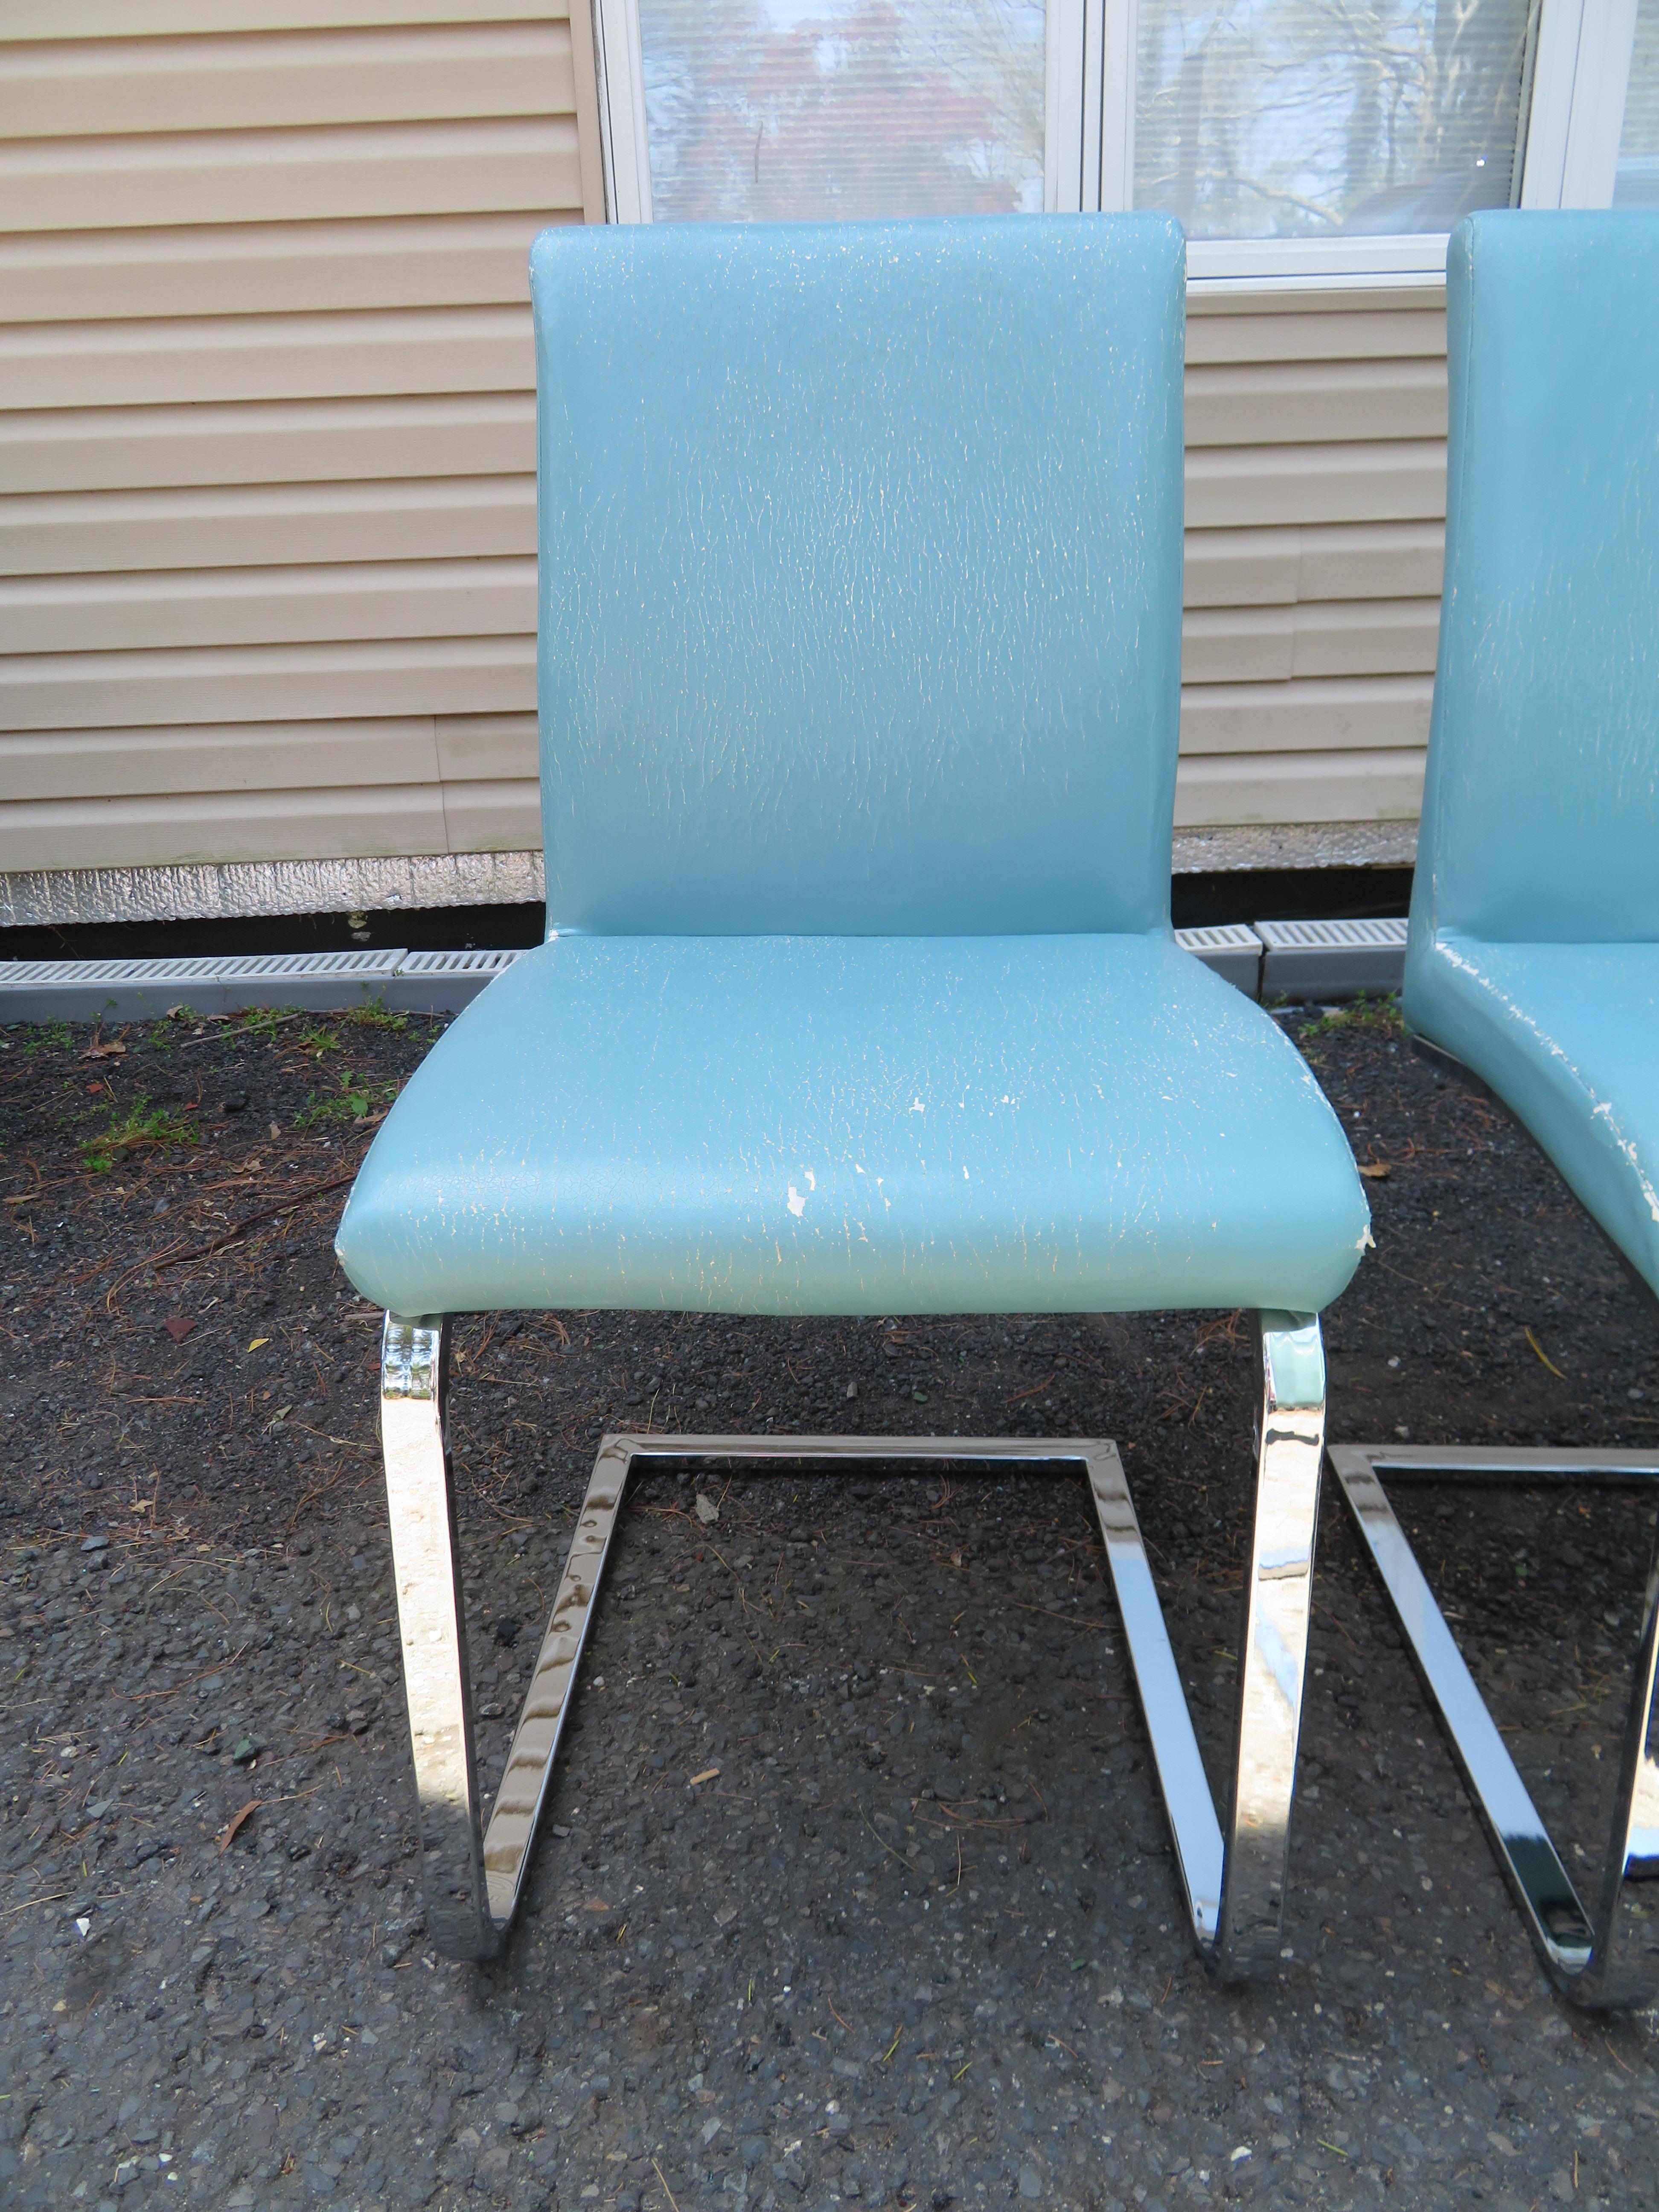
column 1609, row 1958
column 432, row 1626
column 1234, row 1882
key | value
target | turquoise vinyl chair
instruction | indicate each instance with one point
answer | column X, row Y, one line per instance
column 859, row 651
column 1533, row 958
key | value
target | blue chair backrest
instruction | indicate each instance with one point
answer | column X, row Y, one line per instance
column 860, row 575
column 1540, row 817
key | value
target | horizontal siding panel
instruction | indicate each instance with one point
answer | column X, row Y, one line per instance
column 283, row 176
column 409, row 74
column 1394, row 480
column 217, row 757
column 1263, row 788
column 404, row 352
column 1305, row 403
column 84, row 533
column 1351, row 637
column 1331, row 561
column 1357, row 637
column 1371, row 561
column 271, row 269
column 1308, row 714
column 482, row 748
column 286, row 825
column 1237, row 645
column 270, row 683
column 130, row 448
column 1238, row 568
column 1325, row 327
column 268, row 606
column 43, row 19
column 493, row 817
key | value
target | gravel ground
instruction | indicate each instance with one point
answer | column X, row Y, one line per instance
column 918, row 1941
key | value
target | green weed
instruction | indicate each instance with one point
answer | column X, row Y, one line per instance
column 48, row 1036
column 355, row 1101
column 376, row 1017
column 261, row 1022
column 141, row 1124
column 1380, row 1014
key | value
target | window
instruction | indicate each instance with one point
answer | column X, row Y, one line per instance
column 1311, row 118
column 772, row 109
column 1636, row 179
column 1296, row 141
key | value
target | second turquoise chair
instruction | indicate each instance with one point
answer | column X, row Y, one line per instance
column 1534, row 952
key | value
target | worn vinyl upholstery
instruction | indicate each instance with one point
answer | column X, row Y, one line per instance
column 1534, row 949
column 860, row 556
column 865, row 1125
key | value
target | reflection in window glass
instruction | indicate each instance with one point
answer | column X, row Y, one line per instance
column 1636, row 181
column 773, row 109
column 1305, row 119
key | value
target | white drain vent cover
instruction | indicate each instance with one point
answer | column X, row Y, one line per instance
column 1331, row 936
column 1231, row 948
column 140, row 990
column 471, row 962
column 1331, row 959
column 444, row 982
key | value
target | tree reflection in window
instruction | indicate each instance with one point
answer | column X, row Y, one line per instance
column 1307, row 118
column 772, row 110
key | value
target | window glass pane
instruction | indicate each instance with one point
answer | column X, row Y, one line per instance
column 1636, row 181
column 1308, row 119
column 772, row 109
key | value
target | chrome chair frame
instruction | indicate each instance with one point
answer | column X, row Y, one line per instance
column 1234, row 1882
column 1609, row 1960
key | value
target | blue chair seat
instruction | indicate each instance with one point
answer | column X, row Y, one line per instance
column 1568, row 1036
column 858, row 1125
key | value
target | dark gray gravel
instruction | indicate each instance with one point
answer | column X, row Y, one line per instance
column 918, row 1941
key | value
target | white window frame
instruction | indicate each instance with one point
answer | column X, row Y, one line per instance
column 1575, row 108
column 621, row 65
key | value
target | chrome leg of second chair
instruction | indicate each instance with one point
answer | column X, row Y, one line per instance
column 1234, row 1876
column 1609, row 1958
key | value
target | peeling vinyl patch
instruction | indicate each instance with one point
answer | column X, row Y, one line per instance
column 916, row 1106
column 796, row 1203
column 1604, row 1112
column 811, row 1180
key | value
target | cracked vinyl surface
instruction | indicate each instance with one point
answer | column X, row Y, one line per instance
column 913, row 1937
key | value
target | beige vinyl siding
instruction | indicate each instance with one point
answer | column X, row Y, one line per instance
column 267, row 422
column 1315, row 507
column 267, row 414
